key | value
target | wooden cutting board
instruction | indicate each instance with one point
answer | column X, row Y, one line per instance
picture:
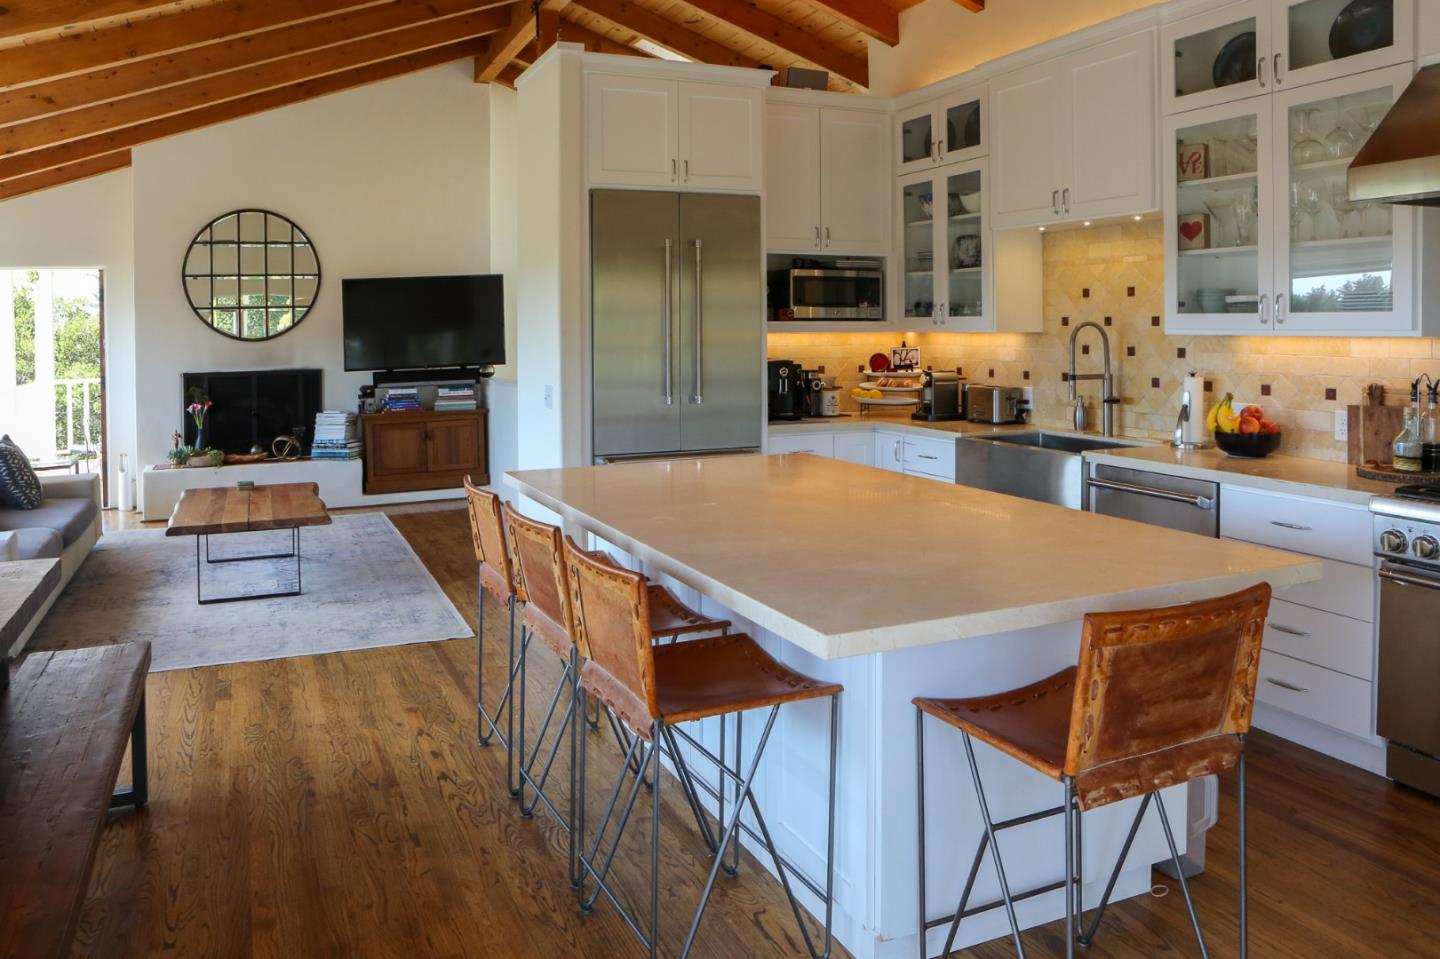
column 1372, row 432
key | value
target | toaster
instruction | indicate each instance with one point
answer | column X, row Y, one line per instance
column 995, row 404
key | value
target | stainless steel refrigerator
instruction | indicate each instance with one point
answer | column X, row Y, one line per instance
column 677, row 320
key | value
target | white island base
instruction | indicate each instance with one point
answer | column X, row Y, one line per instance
column 876, row 881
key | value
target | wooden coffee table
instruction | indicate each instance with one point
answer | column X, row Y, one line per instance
column 203, row 513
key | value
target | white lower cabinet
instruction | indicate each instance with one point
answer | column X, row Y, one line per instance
column 1318, row 661
column 821, row 444
column 889, row 452
column 855, row 448
column 931, row 458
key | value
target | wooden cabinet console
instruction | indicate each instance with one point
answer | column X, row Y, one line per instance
column 423, row 449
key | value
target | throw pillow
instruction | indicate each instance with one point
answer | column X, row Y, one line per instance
column 19, row 486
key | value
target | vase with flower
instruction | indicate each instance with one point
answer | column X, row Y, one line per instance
column 199, row 410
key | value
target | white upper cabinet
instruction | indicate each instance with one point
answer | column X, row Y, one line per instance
column 649, row 131
column 1258, row 46
column 948, row 129
column 792, row 177
column 1074, row 138
column 854, row 186
column 720, row 131
column 827, row 182
column 631, row 130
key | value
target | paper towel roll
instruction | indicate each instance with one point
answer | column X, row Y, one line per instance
column 1194, row 429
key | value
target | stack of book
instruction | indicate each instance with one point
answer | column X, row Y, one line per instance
column 336, row 437
column 455, row 398
column 400, row 398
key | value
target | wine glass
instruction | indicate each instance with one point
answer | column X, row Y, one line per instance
column 1311, row 201
column 1340, row 142
column 1366, row 118
column 1244, row 211
column 1341, row 203
column 1306, row 149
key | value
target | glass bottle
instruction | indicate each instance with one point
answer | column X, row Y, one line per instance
column 1409, row 448
column 1430, row 429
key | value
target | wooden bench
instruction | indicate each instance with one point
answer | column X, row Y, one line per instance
column 64, row 724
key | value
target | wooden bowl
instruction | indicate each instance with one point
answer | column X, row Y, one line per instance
column 1253, row 445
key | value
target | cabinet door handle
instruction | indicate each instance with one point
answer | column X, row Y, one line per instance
column 1284, row 685
column 1065, row 199
column 1279, row 78
column 827, row 236
column 687, row 170
column 1055, row 202
column 1295, row 526
column 897, row 450
column 817, row 236
column 1279, row 309
column 1260, row 71
column 673, row 174
column 1264, row 300
column 926, row 456
column 1288, row 630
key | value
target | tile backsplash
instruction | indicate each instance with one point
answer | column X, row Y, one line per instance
column 1115, row 276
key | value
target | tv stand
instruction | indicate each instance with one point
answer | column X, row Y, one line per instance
column 425, row 449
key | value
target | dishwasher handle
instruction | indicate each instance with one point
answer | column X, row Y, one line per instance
column 1392, row 575
column 1189, row 499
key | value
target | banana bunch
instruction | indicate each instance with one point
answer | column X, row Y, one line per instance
column 1222, row 416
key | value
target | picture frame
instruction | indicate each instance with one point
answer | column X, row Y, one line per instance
column 1192, row 161
column 1193, row 231
column 905, row 358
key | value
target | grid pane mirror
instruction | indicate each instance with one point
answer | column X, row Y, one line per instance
column 251, row 274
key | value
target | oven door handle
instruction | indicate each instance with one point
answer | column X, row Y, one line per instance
column 1200, row 502
column 1407, row 579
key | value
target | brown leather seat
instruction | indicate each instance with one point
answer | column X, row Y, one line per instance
column 1159, row 698
column 725, row 674
column 669, row 617
column 1031, row 723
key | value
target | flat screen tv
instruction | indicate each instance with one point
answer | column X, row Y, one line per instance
column 420, row 322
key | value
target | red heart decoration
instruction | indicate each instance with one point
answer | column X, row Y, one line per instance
column 1192, row 229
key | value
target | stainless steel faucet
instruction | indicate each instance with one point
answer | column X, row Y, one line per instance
column 1108, row 399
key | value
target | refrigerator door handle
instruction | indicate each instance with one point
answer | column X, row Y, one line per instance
column 699, row 395
column 667, row 320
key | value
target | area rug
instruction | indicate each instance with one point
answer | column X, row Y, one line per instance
column 364, row 587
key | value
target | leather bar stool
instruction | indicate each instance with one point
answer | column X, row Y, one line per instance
column 1160, row 697
column 496, row 577
column 653, row 689
column 540, row 578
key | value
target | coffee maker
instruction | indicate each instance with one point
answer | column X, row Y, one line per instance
column 942, row 397
column 787, row 397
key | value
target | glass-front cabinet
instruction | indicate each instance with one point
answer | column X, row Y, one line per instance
column 947, row 130
column 946, row 282
column 1259, row 229
column 1259, row 46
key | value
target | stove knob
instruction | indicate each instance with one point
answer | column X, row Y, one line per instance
column 1393, row 541
column 1427, row 547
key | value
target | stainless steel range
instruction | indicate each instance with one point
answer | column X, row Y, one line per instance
column 1407, row 546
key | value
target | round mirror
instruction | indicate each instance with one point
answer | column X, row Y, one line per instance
column 251, row 274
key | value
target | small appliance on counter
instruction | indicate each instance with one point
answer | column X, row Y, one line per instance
column 822, row 396
column 942, row 397
column 996, row 405
column 1190, row 430
column 787, row 397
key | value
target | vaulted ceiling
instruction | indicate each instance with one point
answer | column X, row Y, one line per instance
column 84, row 81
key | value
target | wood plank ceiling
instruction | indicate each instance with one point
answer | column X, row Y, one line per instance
column 82, row 82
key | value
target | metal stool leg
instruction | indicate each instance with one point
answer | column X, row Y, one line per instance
column 1180, row 875
column 1069, row 818
column 994, row 847
column 1244, row 878
column 1088, row 936
column 923, row 924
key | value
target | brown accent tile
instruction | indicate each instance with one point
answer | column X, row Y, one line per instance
column 1330, row 393
column 1025, row 375
column 1209, row 387
column 992, row 374
column 1129, row 291
column 1264, row 389
column 1109, row 321
column 820, row 368
column 1064, row 376
column 1180, row 353
column 1085, row 349
column 1064, row 321
column 1154, row 382
column 1085, row 293
column 1154, row 321
column 1129, row 351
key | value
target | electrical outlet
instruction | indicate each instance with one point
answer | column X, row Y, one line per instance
column 1342, row 425
column 549, row 397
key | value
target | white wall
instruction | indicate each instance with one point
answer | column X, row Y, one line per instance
column 940, row 38
column 389, row 179
column 1429, row 30
column 505, row 208
column 87, row 224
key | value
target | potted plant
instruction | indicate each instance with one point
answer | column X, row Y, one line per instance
column 198, row 408
column 180, row 455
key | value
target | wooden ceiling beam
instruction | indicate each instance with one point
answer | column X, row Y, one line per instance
column 521, row 32
column 36, row 161
column 787, row 36
column 594, row 42
column 56, row 96
column 667, row 33
column 88, row 121
column 68, row 173
column 974, row 6
column 24, row 18
column 199, row 26
column 868, row 16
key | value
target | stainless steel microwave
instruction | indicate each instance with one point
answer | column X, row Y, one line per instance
column 849, row 292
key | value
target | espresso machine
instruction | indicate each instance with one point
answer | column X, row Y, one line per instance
column 787, row 398
column 942, row 397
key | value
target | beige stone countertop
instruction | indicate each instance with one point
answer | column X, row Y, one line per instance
column 1291, row 475
column 798, row 544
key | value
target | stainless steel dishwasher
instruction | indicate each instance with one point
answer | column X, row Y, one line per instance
column 1192, row 506
column 1174, row 502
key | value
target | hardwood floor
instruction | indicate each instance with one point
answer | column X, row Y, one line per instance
column 339, row 806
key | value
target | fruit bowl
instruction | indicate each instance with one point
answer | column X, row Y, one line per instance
column 1255, row 445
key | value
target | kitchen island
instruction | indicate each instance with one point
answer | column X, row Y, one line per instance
column 897, row 587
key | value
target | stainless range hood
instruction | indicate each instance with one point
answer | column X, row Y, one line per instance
column 1401, row 161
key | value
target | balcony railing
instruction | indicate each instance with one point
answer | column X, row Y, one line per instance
column 79, row 409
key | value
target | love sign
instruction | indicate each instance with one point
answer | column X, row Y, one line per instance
column 1194, row 161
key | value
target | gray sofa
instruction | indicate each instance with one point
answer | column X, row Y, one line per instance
column 66, row 526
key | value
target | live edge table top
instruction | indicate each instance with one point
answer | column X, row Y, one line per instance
column 202, row 512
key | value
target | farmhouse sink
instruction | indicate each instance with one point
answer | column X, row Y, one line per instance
column 1035, row 464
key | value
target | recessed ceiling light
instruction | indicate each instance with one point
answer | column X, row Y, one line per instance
column 1138, row 218
column 1042, row 229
